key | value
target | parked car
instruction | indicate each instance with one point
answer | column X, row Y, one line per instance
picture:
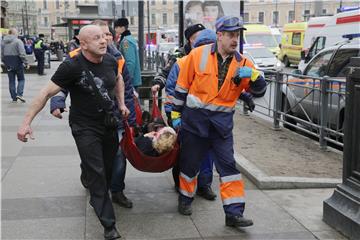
column 262, row 57
column 299, row 100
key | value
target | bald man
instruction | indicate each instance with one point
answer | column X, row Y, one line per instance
column 97, row 142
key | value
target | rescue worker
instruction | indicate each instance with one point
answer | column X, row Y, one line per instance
column 128, row 47
column 209, row 85
column 39, row 51
column 164, row 77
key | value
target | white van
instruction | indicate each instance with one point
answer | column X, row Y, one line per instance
column 332, row 29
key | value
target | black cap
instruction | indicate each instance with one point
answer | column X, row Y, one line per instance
column 121, row 22
column 41, row 35
column 193, row 29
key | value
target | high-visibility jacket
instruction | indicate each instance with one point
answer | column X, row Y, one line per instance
column 38, row 44
column 171, row 83
column 197, row 95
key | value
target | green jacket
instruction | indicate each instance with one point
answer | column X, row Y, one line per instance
column 129, row 49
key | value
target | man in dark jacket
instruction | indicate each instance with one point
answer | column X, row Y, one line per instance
column 14, row 57
column 39, row 51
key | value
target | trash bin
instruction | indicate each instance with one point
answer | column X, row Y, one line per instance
column 60, row 54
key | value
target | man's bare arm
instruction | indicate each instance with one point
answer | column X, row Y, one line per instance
column 37, row 104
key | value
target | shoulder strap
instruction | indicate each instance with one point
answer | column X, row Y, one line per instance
column 90, row 80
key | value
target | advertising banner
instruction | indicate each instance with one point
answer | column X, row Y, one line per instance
column 206, row 12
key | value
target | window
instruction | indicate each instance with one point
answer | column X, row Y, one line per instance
column 152, row 2
column 175, row 2
column 296, row 38
column 317, row 46
column 165, row 18
column 58, row 20
column 306, row 15
column 339, row 67
column 57, row 3
column 317, row 67
column 176, row 18
column 132, row 21
column 324, row 11
column 45, row 21
column 164, row 2
column 153, row 19
column 76, row 2
column 261, row 17
column 45, row 4
column 246, row 17
column 291, row 17
column 275, row 19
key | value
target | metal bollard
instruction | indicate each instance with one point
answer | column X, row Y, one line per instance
column 341, row 210
column 324, row 111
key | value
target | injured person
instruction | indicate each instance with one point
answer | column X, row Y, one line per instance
column 157, row 142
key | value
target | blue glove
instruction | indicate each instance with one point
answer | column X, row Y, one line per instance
column 176, row 123
column 245, row 72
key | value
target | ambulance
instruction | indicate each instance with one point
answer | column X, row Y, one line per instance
column 330, row 31
column 292, row 42
column 261, row 34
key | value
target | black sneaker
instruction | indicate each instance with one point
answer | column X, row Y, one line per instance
column 238, row 221
column 21, row 98
column 111, row 233
column 121, row 199
column 184, row 209
column 206, row 193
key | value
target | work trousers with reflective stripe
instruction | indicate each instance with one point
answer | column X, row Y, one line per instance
column 97, row 149
column 192, row 152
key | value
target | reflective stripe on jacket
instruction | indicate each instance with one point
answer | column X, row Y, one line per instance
column 199, row 81
column 38, row 44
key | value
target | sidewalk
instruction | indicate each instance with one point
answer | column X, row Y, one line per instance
column 42, row 197
column 283, row 159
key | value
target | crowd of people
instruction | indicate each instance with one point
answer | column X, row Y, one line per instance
column 203, row 81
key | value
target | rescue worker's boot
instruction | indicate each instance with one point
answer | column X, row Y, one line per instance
column 206, row 193
column 238, row 221
column 111, row 233
column 184, row 209
column 121, row 199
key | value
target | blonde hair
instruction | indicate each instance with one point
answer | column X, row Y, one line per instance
column 166, row 140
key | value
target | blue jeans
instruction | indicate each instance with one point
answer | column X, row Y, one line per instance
column 119, row 168
column 12, row 74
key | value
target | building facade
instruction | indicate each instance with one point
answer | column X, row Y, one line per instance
column 279, row 12
column 48, row 16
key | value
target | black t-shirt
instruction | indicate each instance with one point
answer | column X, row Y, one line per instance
column 84, row 105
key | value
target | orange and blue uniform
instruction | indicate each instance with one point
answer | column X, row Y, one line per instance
column 207, row 122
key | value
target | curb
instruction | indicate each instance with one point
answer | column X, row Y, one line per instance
column 264, row 182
